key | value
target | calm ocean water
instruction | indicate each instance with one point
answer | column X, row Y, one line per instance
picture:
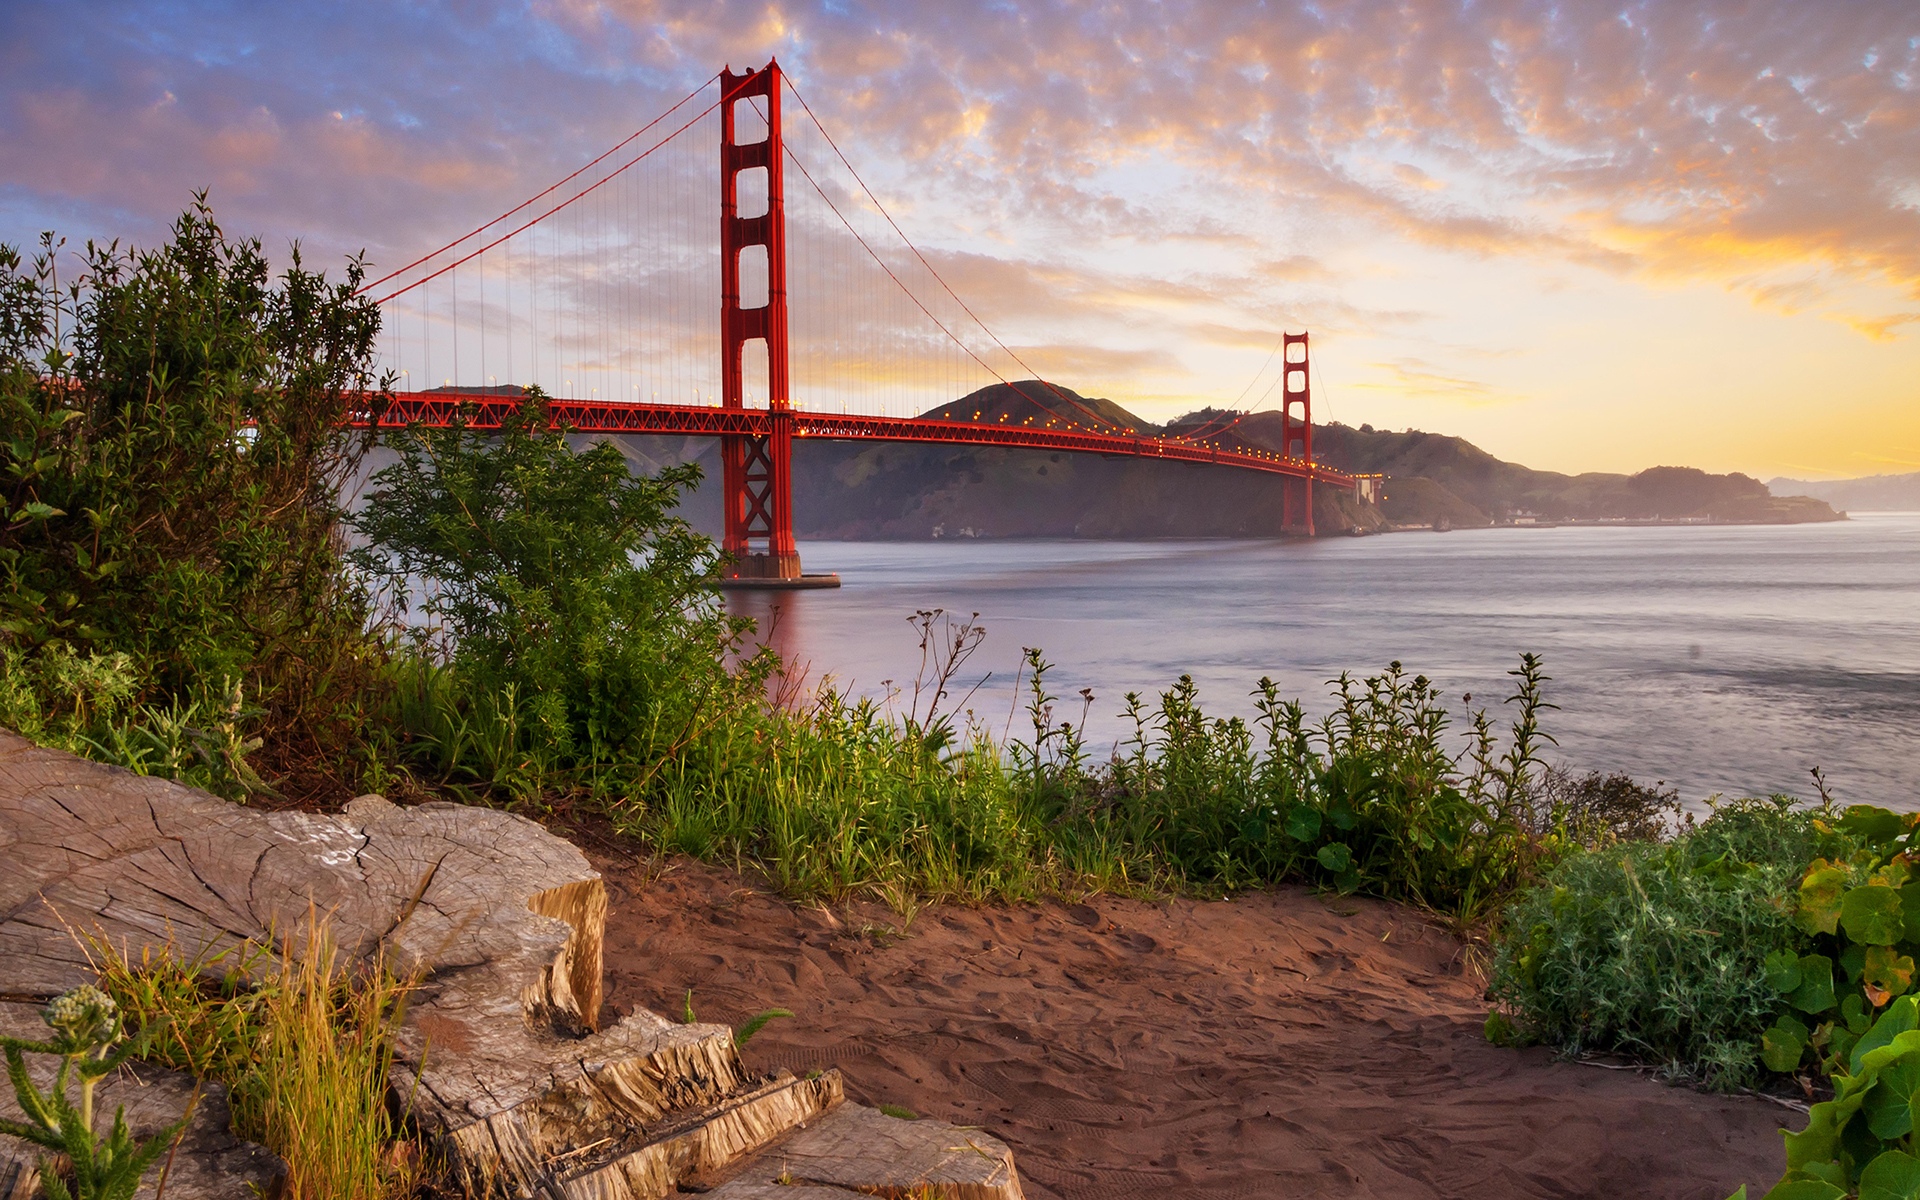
column 1719, row 659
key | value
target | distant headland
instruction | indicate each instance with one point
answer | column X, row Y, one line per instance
column 908, row 492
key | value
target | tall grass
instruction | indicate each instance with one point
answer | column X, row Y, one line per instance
column 319, row 1086
column 302, row 1039
column 838, row 798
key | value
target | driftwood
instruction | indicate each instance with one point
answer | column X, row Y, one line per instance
column 860, row 1151
column 502, row 1058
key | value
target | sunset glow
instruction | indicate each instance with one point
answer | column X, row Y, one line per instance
column 1584, row 236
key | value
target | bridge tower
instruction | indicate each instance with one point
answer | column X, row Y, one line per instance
column 756, row 473
column 1296, row 432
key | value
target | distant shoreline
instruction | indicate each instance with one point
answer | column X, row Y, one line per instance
column 1599, row 523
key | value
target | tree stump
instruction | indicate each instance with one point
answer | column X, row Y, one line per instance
column 501, row 1058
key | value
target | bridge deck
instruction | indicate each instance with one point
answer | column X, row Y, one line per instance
column 489, row 409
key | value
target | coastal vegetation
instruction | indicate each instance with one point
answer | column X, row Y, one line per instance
column 173, row 593
column 526, row 623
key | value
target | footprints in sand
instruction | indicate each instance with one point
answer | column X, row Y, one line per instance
column 1271, row 1046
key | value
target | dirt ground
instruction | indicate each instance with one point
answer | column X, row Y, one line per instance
column 1282, row 1044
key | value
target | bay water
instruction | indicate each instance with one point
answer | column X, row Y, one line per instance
column 1719, row 659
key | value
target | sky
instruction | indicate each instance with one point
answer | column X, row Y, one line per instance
column 1584, row 236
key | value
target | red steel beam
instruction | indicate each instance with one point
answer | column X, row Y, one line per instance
column 487, row 410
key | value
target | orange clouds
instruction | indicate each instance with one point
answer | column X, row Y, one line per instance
column 1142, row 192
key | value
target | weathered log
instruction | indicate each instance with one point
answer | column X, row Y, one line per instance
column 866, row 1152
column 501, row 1057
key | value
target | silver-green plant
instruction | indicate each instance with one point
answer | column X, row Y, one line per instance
column 90, row 1041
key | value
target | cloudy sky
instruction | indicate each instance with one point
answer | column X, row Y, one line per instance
column 1586, row 236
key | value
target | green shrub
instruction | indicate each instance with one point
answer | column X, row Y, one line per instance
column 1764, row 940
column 1373, row 799
column 578, row 617
column 1859, row 906
column 1662, row 950
column 85, row 704
column 1863, row 1141
column 170, row 450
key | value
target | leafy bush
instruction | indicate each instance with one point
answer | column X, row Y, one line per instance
column 1764, row 940
column 170, row 450
column 578, row 617
column 85, row 704
column 1863, row 1141
column 1661, row 950
column 1859, row 907
column 1372, row 799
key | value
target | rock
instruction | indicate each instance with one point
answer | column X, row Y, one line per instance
column 501, row 1059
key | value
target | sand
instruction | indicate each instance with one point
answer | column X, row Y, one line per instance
column 1281, row 1044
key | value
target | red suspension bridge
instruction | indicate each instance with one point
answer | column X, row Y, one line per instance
column 600, row 290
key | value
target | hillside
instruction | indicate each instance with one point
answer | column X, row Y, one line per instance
column 1874, row 493
column 909, row 491
column 1500, row 490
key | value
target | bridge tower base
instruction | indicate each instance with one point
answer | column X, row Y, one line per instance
column 1296, row 433
column 756, row 473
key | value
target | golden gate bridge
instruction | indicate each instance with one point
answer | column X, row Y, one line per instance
column 601, row 290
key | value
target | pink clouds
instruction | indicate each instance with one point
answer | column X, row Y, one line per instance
column 1157, row 185
column 1686, row 139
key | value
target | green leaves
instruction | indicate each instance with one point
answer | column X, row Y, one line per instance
column 1893, row 1175
column 1868, row 1124
column 1805, row 981
column 1901, row 1018
column 1334, row 856
column 1782, row 1045
column 1877, row 827
column 87, row 1038
column 134, row 521
column 585, row 629
column 1872, row 914
column 1303, row 822
column 1821, row 892
column 1889, row 1103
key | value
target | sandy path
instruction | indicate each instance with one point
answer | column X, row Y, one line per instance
column 1277, row 1045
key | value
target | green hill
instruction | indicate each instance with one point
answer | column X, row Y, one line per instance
column 1459, row 472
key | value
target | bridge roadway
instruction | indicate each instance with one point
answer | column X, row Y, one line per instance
column 488, row 409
